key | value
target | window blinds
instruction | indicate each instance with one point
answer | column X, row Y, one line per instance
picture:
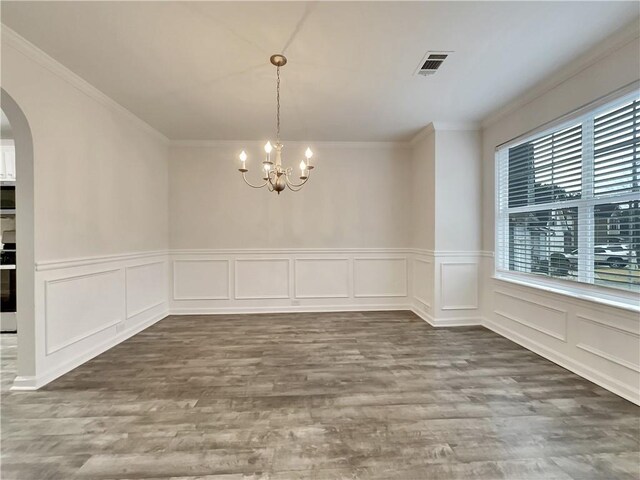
column 568, row 200
column 616, row 150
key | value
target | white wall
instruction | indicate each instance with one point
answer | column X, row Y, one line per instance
column 100, row 214
column 100, row 178
column 339, row 244
column 447, row 226
column 458, row 222
column 423, row 199
column 599, row 342
column 357, row 197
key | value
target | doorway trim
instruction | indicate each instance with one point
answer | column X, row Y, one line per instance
column 25, row 235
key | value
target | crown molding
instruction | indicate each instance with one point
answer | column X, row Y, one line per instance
column 28, row 49
column 438, row 126
column 293, row 143
column 455, row 126
column 422, row 134
column 614, row 42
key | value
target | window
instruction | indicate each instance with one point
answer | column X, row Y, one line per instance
column 568, row 199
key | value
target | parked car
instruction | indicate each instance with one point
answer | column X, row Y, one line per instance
column 614, row 256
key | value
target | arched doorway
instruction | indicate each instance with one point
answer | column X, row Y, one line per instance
column 25, row 272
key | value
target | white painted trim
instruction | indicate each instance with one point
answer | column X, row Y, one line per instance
column 424, row 301
column 573, row 296
column 437, row 126
column 20, row 44
column 448, row 322
column 261, row 297
column 609, row 325
column 618, row 40
column 24, row 384
column 287, row 251
column 34, row 383
column 191, row 260
column 450, row 253
column 78, row 338
column 376, row 145
column 565, row 313
column 422, row 134
column 455, row 126
column 602, row 354
column 139, row 265
column 243, row 310
column 319, row 259
column 607, row 356
column 126, row 285
column 459, row 307
column 562, row 338
column 82, row 261
column 145, row 309
column 601, row 379
column 378, row 295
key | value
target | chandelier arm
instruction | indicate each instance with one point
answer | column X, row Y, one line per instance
column 244, row 176
column 293, row 189
column 272, row 175
column 297, row 185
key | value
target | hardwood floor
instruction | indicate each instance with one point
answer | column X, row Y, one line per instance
column 375, row 395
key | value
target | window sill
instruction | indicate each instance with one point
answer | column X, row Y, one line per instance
column 631, row 304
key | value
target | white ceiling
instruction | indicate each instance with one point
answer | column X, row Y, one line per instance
column 200, row 70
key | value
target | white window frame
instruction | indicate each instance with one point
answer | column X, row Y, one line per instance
column 584, row 287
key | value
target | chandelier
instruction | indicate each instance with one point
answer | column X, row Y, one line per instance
column 276, row 177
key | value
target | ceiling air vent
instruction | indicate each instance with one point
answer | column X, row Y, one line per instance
column 431, row 62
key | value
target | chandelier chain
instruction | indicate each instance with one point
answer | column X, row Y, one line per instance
column 278, row 105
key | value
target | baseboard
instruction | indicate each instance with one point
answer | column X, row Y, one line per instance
column 21, row 384
column 286, row 309
column 447, row 322
column 570, row 364
column 34, row 383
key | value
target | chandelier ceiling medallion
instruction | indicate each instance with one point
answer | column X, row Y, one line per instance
column 276, row 177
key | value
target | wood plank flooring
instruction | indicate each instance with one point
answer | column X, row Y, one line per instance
column 375, row 395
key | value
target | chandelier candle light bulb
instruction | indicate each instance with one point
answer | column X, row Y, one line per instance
column 268, row 148
column 308, row 154
column 276, row 177
column 243, row 159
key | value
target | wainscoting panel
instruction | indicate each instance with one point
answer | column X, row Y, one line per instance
column 532, row 314
column 294, row 280
column 79, row 306
column 422, row 281
column 145, row 287
column 598, row 342
column 616, row 345
column 458, row 286
column 85, row 306
column 380, row 277
column 262, row 278
column 321, row 277
column 201, row 279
